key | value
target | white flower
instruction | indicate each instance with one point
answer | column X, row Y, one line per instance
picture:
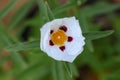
column 62, row 39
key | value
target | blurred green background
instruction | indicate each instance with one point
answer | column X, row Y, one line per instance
column 21, row 58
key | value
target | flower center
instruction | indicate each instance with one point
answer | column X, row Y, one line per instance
column 59, row 37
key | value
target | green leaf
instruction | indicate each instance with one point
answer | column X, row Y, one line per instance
column 20, row 14
column 71, row 69
column 43, row 9
column 68, row 67
column 63, row 8
column 99, row 8
column 33, row 72
column 90, row 45
column 92, row 10
column 35, row 44
column 7, row 8
column 24, row 46
column 50, row 13
column 97, row 34
column 18, row 61
column 58, row 71
column 85, row 27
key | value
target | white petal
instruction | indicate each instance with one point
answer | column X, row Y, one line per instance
column 73, row 25
column 44, row 29
column 57, row 54
column 75, row 46
column 73, row 49
column 54, row 52
column 69, row 58
column 74, row 31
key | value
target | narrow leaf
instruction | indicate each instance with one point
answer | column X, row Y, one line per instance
column 24, row 46
column 20, row 15
column 85, row 27
column 63, row 8
column 43, row 9
column 33, row 72
column 7, row 8
column 7, row 41
column 100, row 8
column 68, row 67
column 96, row 35
column 71, row 69
column 58, row 71
column 35, row 44
column 50, row 13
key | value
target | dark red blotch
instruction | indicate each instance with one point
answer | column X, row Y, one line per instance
column 70, row 39
column 62, row 48
column 51, row 31
column 51, row 43
column 64, row 28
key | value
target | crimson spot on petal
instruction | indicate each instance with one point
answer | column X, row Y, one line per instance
column 51, row 43
column 70, row 38
column 51, row 31
column 64, row 28
column 62, row 48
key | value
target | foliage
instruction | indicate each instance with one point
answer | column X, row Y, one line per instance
column 28, row 62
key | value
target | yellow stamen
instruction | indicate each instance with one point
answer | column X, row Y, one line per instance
column 59, row 37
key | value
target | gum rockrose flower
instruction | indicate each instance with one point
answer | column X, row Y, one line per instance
column 62, row 39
